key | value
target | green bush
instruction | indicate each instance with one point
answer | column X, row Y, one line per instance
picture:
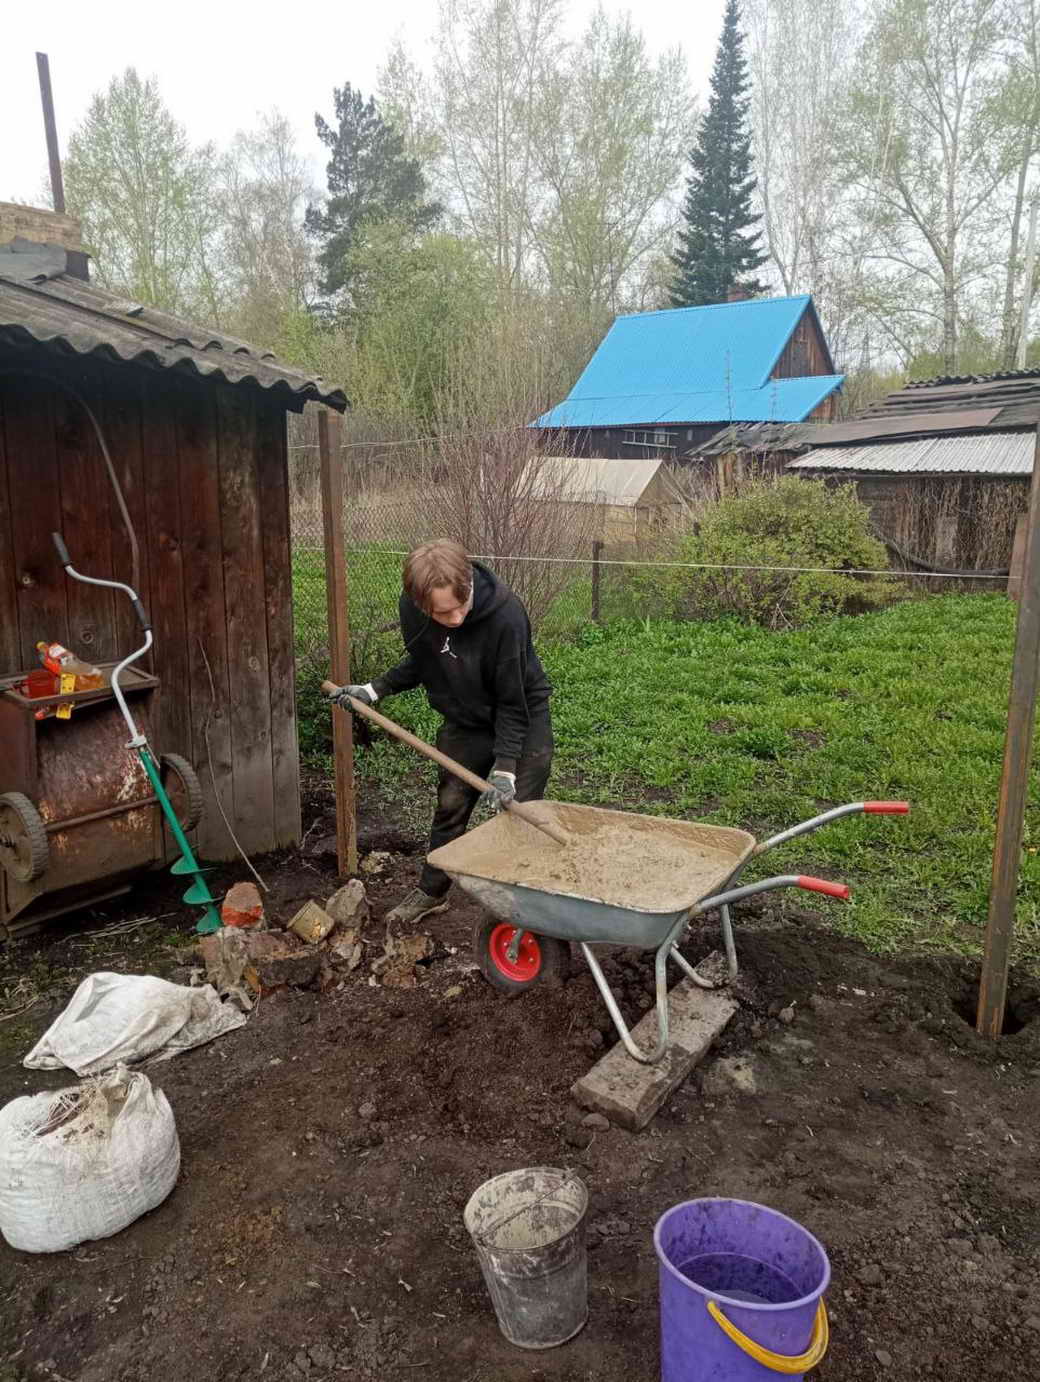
column 789, row 523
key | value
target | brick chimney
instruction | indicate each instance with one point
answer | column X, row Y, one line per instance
column 45, row 228
column 738, row 294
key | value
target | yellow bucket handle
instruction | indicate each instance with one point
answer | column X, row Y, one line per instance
column 779, row 1362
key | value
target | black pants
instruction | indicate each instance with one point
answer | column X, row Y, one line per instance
column 474, row 749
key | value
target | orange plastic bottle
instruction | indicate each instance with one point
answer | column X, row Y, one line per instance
column 63, row 663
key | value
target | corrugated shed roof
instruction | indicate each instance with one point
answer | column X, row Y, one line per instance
column 694, row 364
column 990, row 453
column 593, row 480
column 1014, row 397
column 759, row 436
column 69, row 315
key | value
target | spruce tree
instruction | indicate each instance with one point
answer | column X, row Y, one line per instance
column 718, row 246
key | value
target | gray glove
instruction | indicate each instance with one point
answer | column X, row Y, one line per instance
column 501, row 789
column 364, row 694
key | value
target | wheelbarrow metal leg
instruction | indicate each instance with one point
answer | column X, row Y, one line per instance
column 636, row 1052
column 731, row 947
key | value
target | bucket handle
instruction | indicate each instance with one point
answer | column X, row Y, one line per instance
column 779, row 1362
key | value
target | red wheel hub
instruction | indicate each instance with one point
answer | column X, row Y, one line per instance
column 528, row 960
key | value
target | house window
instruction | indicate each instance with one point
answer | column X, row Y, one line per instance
column 632, row 437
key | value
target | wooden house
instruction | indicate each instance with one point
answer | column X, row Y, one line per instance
column 662, row 383
column 195, row 423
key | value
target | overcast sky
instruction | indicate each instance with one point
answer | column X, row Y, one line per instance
column 218, row 65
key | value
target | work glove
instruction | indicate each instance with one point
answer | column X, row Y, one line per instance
column 365, row 694
column 501, row 789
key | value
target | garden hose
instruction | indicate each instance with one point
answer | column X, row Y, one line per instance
column 779, row 1362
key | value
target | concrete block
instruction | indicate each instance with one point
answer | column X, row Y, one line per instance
column 630, row 1093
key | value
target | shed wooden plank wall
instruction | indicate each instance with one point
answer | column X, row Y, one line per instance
column 203, row 467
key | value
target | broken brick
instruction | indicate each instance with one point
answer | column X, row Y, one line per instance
column 278, row 961
column 243, row 906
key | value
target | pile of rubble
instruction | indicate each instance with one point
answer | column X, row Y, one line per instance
column 318, row 948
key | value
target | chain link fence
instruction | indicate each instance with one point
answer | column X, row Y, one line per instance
column 572, row 564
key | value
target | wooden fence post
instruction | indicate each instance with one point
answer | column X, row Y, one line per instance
column 1018, row 550
column 331, row 458
column 597, row 551
column 1014, row 786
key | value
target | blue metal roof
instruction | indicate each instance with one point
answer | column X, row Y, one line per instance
column 694, row 364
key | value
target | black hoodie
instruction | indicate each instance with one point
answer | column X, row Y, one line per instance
column 484, row 675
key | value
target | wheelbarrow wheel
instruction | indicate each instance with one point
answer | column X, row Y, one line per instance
column 183, row 788
column 513, row 969
column 23, row 840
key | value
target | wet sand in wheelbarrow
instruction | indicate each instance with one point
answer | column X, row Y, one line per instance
column 645, row 863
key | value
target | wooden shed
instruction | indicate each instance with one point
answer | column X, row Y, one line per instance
column 195, row 422
column 635, row 497
column 943, row 465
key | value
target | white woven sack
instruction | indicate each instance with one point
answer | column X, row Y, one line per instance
column 83, row 1163
column 126, row 1017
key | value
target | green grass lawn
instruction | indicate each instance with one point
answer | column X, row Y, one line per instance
column 736, row 725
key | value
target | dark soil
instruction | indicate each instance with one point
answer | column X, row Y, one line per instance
column 329, row 1146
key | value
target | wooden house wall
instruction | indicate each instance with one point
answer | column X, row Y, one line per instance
column 805, row 353
column 203, row 469
column 609, row 442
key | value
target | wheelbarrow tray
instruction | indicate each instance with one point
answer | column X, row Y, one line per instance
column 505, row 864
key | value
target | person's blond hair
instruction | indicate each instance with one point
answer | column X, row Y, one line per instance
column 436, row 566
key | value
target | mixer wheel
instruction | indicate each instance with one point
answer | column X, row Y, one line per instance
column 512, row 968
column 183, row 788
column 23, row 840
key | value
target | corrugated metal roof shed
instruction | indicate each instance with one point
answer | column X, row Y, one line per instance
column 71, row 316
column 991, row 453
column 593, row 480
column 694, row 364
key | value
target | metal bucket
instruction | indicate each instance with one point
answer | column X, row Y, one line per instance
column 528, row 1228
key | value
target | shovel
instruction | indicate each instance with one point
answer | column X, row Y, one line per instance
column 479, row 784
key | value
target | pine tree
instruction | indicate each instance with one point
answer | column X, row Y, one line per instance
column 370, row 178
column 718, row 248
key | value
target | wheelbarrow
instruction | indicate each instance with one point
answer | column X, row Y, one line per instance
column 541, row 871
column 693, row 868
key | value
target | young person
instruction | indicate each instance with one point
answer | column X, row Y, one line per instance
column 467, row 642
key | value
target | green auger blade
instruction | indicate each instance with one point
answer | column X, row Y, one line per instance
column 187, row 866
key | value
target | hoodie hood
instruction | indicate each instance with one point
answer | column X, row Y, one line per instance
column 489, row 594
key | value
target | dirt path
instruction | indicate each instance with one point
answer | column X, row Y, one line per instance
column 329, row 1146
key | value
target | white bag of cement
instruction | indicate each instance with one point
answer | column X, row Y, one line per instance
column 126, row 1017
column 83, row 1163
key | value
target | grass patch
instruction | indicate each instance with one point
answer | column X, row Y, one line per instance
column 734, row 724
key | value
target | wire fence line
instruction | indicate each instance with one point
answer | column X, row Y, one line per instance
column 592, row 575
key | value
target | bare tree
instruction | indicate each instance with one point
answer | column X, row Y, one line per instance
column 923, row 144
column 614, row 128
column 491, row 487
column 266, row 255
column 491, row 60
column 1021, row 96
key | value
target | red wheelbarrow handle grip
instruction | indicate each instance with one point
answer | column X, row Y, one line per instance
column 820, row 885
column 886, row 808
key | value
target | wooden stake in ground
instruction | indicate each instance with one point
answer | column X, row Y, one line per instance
column 1014, row 785
column 339, row 634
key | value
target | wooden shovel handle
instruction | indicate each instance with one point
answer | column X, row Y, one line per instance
column 478, row 784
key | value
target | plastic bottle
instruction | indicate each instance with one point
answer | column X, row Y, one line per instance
column 63, row 663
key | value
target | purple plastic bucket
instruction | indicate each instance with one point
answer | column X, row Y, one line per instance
column 765, row 1273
